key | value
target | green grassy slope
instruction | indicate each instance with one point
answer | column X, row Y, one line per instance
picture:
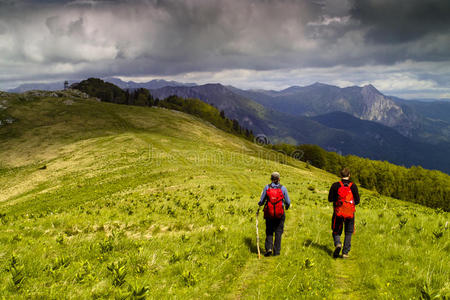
column 171, row 200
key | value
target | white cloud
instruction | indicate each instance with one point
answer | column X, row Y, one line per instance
column 401, row 81
column 396, row 80
column 327, row 20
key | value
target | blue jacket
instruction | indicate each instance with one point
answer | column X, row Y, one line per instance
column 286, row 200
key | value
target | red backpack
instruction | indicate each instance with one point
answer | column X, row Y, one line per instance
column 274, row 204
column 345, row 206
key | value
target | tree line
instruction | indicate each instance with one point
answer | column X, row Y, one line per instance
column 109, row 92
column 208, row 113
column 416, row 184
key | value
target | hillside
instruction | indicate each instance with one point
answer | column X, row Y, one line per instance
column 434, row 120
column 104, row 200
column 371, row 139
column 280, row 116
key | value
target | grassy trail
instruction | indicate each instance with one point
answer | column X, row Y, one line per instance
column 256, row 273
column 270, row 277
column 345, row 272
column 254, row 267
column 259, row 274
column 250, row 274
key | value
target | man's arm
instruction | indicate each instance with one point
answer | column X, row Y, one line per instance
column 332, row 194
column 355, row 193
column 287, row 201
column 263, row 196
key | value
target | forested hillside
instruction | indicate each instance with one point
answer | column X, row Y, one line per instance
column 415, row 184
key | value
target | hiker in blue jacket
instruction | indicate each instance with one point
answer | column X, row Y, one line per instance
column 275, row 199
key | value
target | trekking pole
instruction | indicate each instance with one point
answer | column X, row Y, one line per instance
column 257, row 234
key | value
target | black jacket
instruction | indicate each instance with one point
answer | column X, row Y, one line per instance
column 333, row 194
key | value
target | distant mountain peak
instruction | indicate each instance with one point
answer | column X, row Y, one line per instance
column 371, row 88
column 319, row 84
column 214, row 85
column 291, row 89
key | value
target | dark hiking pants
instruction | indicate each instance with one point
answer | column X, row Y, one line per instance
column 274, row 226
column 338, row 224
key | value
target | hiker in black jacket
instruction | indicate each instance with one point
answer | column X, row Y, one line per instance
column 344, row 195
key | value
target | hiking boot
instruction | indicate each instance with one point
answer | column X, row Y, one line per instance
column 345, row 255
column 268, row 253
column 337, row 250
column 276, row 254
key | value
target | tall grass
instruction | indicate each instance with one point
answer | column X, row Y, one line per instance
column 165, row 208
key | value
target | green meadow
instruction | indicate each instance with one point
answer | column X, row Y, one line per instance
column 102, row 200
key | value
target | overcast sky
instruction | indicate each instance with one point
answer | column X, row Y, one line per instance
column 402, row 47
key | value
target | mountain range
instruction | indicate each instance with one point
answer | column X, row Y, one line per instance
column 353, row 120
column 366, row 103
column 51, row 86
column 356, row 120
column 125, row 85
column 153, row 84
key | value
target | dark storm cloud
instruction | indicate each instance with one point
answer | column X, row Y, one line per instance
column 200, row 35
column 402, row 21
column 167, row 36
column 171, row 37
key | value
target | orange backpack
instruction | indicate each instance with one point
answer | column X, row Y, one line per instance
column 345, row 206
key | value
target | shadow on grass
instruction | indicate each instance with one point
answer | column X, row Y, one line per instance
column 251, row 244
column 311, row 243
